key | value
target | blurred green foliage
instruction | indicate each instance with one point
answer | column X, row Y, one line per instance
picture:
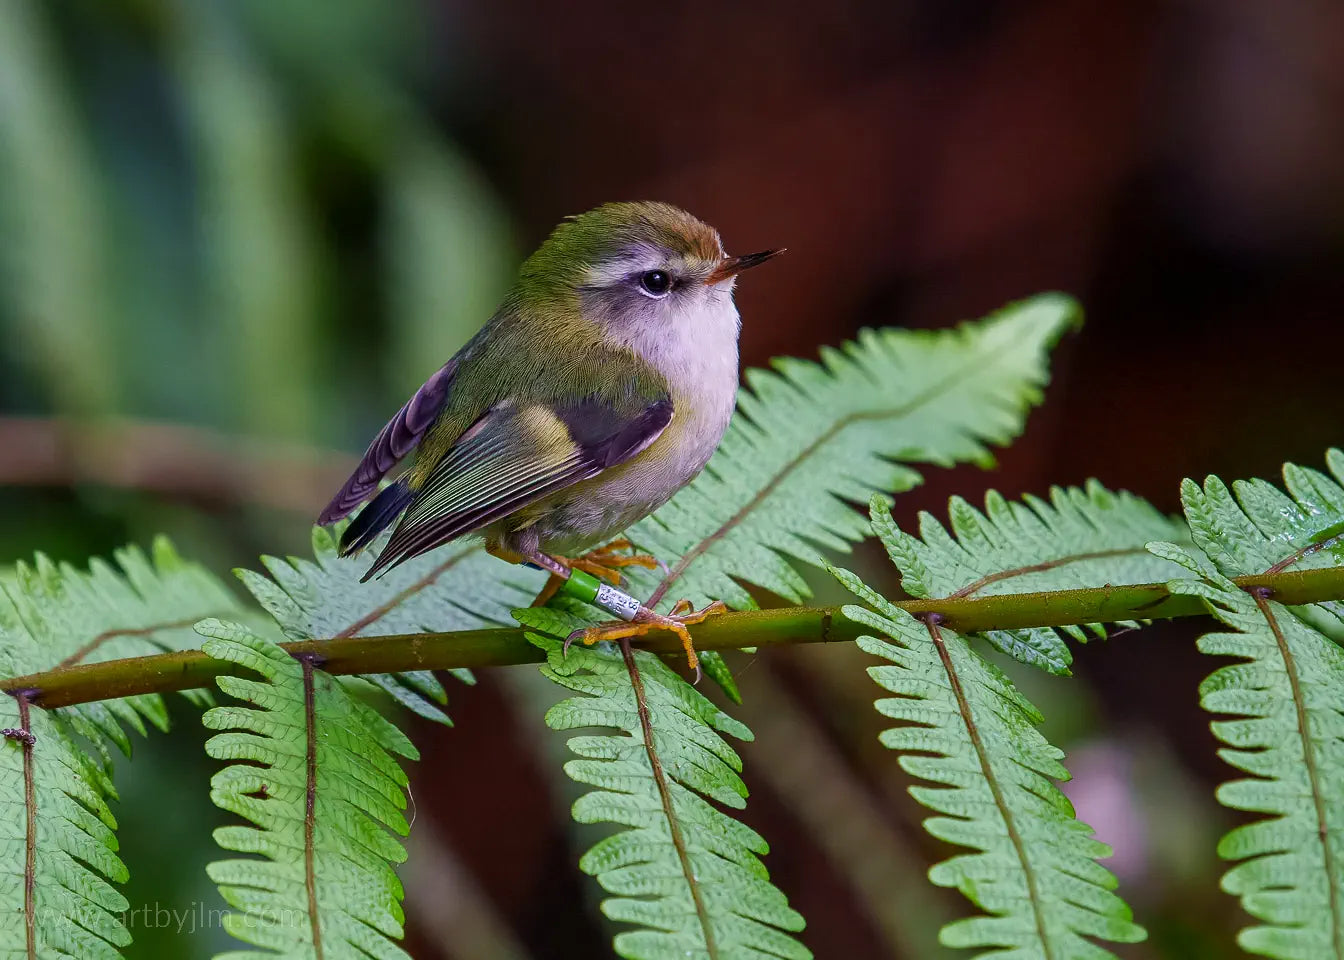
column 238, row 215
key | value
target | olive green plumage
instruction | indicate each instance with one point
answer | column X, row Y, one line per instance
column 600, row 386
column 531, row 352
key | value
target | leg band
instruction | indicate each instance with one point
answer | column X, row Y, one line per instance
column 586, row 587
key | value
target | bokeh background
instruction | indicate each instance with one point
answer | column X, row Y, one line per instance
column 234, row 235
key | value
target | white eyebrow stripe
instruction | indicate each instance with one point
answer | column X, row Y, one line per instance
column 637, row 259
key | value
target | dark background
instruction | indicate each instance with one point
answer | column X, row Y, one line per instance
column 236, row 235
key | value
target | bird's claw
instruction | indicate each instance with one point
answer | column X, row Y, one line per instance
column 647, row 621
column 589, row 636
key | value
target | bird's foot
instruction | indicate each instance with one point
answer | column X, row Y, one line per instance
column 613, row 556
column 605, row 563
column 647, row 621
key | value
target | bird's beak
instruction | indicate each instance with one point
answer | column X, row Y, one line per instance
column 732, row 266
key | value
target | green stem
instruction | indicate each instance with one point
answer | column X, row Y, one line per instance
column 183, row 670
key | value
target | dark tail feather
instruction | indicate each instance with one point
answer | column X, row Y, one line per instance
column 376, row 517
column 393, row 442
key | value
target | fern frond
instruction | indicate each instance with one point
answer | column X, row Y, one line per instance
column 57, row 828
column 808, row 437
column 314, row 770
column 1261, row 529
column 966, row 728
column 683, row 871
column 1287, row 696
column 459, row 587
column 1080, row 538
column 57, row 615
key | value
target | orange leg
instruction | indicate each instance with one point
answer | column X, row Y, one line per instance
column 646, row 622
column 612, row 556
column 604, row 563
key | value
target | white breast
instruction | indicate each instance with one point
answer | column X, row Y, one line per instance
column 697, row 355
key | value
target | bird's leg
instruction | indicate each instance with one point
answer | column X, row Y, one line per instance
column 552, row 586
column 612, row 557
column 604, row 563
column 556, row 567
column 504, row 553
column 637, row 620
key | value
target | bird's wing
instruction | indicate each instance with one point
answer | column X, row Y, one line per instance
column 517, row 453
column 393, row 442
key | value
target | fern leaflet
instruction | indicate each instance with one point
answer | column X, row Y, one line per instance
column 1262, row 529
column 459, row 587
column 685, row 872
column 1286, row 696
column 55, row 828
column 58, row 839
column 314, row 769
column 58, row 615
column 965, row 727
column 1080, row 538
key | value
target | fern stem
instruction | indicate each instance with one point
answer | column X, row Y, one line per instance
column 182, row 670
column 1306, row 551
column 1261, row 596
column 825, row 436
column 24, row 735
column 382, row 610
column 310, row 798
column 665, row 794
column 977, row 585
column 88, row 648
column 931, row 622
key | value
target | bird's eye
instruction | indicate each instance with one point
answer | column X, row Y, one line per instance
column 656, row 283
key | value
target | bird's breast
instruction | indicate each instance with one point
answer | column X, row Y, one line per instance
column 702, row 381
column 698, row 360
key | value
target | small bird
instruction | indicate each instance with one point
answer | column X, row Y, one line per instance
column 601, row 386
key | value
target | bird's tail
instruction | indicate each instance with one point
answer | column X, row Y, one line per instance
column 376, row 517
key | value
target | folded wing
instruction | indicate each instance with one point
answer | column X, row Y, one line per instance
column 515, row 454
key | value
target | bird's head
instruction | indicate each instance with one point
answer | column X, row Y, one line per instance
column 639, row 267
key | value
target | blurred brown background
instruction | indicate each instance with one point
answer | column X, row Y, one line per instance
column 238, row 234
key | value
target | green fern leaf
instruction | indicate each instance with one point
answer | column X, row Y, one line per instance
column 810, row 436
column 69, row 847
column 314, row 769
column 966, row 728
column 1286, row 695
column 57, row 615
column 54, row 765
column 1080, row 538
column 459, row 587
column 1262, row 529
column 684, row 872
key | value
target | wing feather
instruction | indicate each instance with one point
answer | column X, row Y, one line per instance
column 514, row 455
column 394, row 441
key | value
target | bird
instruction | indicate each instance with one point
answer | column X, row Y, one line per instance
column 601, row 386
